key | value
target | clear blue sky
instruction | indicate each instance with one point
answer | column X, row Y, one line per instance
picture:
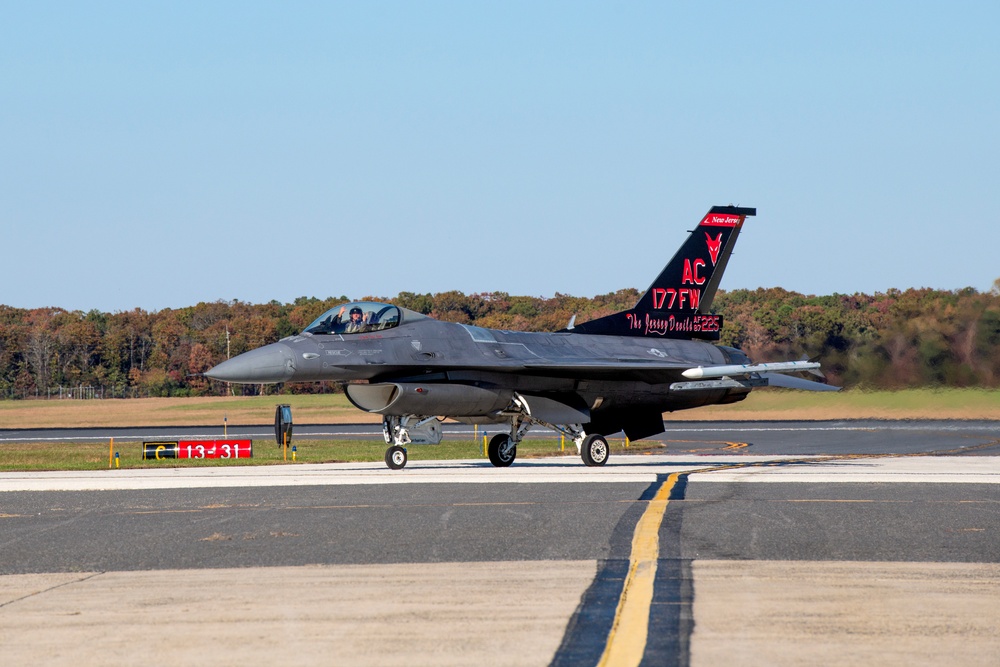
column 158, row 154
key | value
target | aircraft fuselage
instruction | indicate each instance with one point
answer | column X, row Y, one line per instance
column 604, row 372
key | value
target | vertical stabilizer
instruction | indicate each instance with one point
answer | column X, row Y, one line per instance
column 678, row 303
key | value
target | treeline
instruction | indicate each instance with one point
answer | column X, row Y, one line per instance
column 911, row 338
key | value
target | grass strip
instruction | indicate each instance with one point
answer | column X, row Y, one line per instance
column 28, row 457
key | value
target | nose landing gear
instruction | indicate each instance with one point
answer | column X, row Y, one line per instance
column 395, row 457
column 401, row 431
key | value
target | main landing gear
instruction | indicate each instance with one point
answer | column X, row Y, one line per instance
column 594, row 450
column 502, row 448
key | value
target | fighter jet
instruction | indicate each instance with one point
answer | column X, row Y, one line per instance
column 588, row 381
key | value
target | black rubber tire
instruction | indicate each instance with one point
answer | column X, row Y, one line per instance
column 502, row 450
column 595, row 450
column 395, row 457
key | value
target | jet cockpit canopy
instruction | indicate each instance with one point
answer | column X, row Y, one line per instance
column 357, row 317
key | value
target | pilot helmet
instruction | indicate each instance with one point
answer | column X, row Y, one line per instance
column 355, row 311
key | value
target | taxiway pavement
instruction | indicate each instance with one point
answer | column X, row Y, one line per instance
column 782, row 556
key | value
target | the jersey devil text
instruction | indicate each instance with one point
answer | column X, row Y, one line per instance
column 663, row 325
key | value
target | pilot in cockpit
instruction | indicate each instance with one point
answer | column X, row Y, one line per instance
column 355, row 318
column 357, row 322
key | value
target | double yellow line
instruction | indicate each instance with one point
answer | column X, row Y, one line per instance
column 627, row 638
column 626, row 641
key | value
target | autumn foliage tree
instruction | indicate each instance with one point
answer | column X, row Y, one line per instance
column 896, row 339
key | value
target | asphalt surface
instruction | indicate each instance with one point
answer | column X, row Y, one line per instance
column 424, row 523
column 887, row 494
column 412, row 523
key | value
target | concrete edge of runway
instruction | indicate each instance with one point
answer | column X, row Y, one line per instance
column 542, row 470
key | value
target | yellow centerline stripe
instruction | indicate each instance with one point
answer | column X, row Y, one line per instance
column 627, row 638
column 626, row 642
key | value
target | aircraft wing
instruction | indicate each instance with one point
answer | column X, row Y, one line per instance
column 657, row 369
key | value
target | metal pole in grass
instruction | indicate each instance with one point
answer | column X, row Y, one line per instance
column 111, row 452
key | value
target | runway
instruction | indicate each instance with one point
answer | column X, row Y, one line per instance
column 780, row 556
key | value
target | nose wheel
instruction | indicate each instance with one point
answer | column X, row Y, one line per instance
column 395, row 457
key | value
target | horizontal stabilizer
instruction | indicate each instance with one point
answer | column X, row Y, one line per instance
column 791, row 382
column 722, row 371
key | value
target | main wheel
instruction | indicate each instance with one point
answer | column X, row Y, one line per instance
column 594, row 450
column 502, row 450
column 395, row 457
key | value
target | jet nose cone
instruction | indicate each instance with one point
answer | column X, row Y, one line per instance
column 265, row 365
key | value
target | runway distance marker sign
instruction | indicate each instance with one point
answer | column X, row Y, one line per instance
column 198, row 449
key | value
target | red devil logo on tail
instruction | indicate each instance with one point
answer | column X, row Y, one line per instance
column 714, row 245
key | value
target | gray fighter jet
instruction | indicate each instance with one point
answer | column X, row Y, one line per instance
column 588, row 381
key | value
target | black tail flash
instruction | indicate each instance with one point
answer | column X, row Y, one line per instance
column 678, row 303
